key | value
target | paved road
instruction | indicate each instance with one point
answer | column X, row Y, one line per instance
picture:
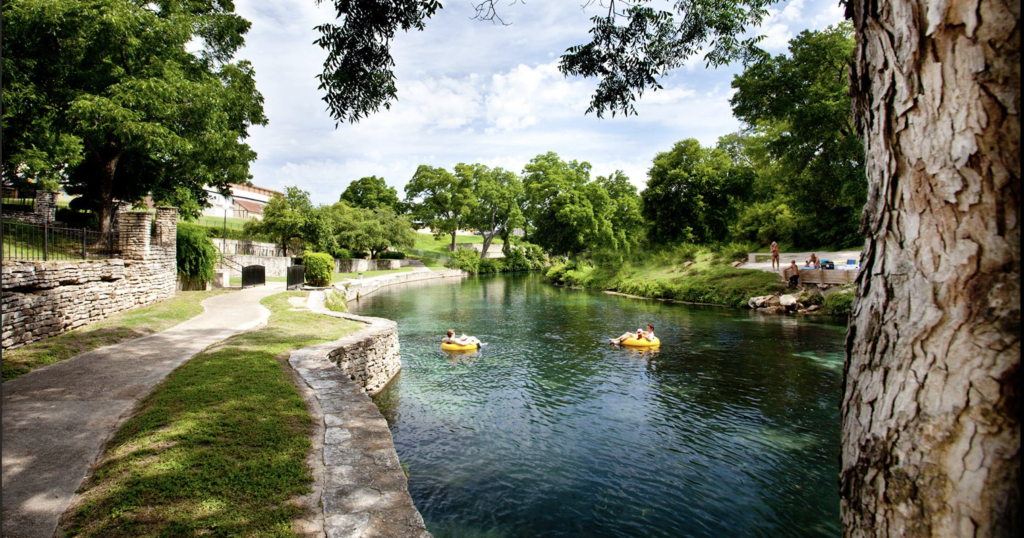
column 56, row 419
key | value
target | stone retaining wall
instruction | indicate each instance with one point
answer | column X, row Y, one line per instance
column 362, row 266
column 43, row 299
column 353, row 289
column 274, row 266
column 363, row 490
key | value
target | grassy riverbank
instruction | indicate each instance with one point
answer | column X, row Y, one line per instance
column 115, row 329
column 684, row 274
column 219, row 448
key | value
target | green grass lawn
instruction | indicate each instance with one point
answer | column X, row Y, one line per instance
column 218, row 222
column 338, row 277
column 218, row 448
column 119, row 328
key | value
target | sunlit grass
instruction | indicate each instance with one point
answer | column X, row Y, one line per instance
column 219, row 448
column 115, row 329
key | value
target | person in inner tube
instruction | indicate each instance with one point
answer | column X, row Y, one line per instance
column 461, row 341
column 639, row 335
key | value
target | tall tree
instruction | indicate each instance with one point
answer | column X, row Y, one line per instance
column 379, row 229
column 284, row 217
column 626, row 218
column 931, row 405
column 687, row 197
column 498, row 193
column 370, row 193
column 806, row 96
column 566, row 211
column 106, row 96
column 440, row 200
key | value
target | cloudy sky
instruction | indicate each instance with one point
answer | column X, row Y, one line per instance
column 473, row 91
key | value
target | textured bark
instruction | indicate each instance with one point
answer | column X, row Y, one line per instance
column 930, row 416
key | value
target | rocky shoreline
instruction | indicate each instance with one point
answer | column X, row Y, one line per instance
column 808, row 301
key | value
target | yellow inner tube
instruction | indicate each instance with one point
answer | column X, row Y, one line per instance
column 457, row 347
column 641, row 343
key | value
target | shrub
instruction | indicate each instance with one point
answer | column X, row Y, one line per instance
column 535, row 255
column 556, row 272
column 838, row 303
column 196, row 257
column 490, row 265
column 465, row 259
column 319, row 268
column 357, row 255
column 391, row 255
column 342, row 254
column 517, row 261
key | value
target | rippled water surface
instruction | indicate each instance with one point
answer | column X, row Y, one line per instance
column 731, row 429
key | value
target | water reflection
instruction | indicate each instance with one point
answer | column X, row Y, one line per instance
column 729, row 428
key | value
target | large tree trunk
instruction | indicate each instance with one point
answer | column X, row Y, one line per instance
column 105, row 163
column 930, row 415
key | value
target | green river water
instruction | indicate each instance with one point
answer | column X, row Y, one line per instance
column 730, row 429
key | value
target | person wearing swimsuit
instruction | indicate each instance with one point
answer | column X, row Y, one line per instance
column 639, row 335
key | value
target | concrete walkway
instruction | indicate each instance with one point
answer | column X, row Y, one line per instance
column 56, row 419
column 839, row 258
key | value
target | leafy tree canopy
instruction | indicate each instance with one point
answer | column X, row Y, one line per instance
column 105, row 96
column 498, row 193
column 284, row 217
column 625, row 215
column 440, row 200
column 370, row 193
column 633, row 42
column 567, row 212
column 687, row 197
column 798, row 107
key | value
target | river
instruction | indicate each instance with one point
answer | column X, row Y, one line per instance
column 730, row 429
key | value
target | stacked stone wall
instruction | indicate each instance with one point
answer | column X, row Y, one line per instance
column 361, row 266
column 273, row 266
column 44, row 211
column 43, row 299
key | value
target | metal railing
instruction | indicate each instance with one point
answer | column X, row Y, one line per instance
column 30, row 242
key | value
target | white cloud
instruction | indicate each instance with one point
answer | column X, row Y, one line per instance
column 473, row 92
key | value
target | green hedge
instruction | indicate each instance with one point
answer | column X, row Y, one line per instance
column 391, row 255
column 196, row 257
column 319, row 268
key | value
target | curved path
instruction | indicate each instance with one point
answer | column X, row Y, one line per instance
column 57, row 419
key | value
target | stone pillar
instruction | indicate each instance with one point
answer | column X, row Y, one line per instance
column 134, row 235
column 46, row 206
column 166, row 231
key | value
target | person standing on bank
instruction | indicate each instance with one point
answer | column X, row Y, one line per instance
column 776, row 264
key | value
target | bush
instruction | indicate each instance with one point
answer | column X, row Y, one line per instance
column 196, row 257
column 319, row 268
column 517, row 261
column 490, row 265
column 465, row 259
column 342, row 254
column 357, row 255
column 391, row 255
column 838, row 303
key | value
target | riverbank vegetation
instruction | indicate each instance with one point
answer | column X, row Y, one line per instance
column 689, row 273
column 219, row 448
column 113, row 330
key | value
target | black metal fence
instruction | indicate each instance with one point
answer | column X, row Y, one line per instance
column 296, row 277
column 25, row 205
column 254, row 275
column 31, row 242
